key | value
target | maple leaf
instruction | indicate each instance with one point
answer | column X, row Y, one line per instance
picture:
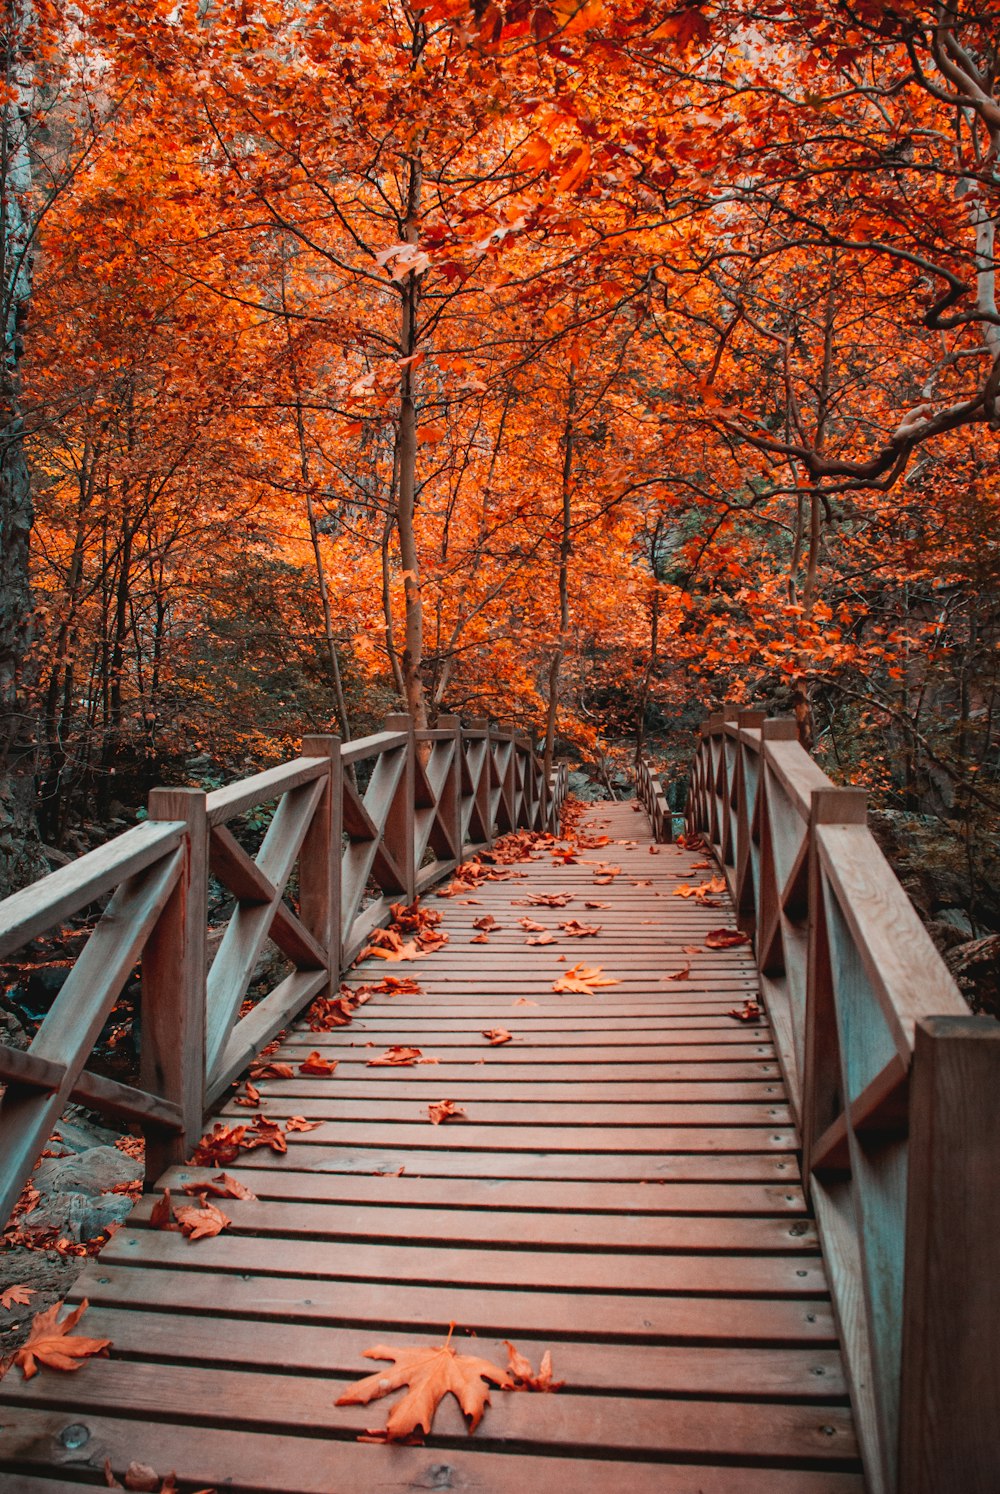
column 399, row 985
column 521, row 1371
column 684, row 890
column 583, row 979
column 223, row 1186
column 161, row 1215
column 400, row 951
column 577, row 930
column 547, row 899
column 497, row 1035
column 594, row 904
column 264, row 1132
column 430, row 1374
column 750, row 1012
column 19, row 1294
column 487, row 923
column 271, row 1071
column 221, row 1145
column 314, row 1063
column 299, row 1123
column 53, row 1343
column 203, row 1222
column 480, row 939
column 443, row 1110
column 531, row 926
column 395, row 1056
column 252, row 1096
column 683, row 974
column 545, row 938
column 725, row 938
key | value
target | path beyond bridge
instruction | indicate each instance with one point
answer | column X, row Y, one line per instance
column 623, row 1190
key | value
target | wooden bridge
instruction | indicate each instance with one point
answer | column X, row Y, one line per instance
column 638, row 1175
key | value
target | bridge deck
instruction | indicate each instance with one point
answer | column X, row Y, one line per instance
column 623, row 1190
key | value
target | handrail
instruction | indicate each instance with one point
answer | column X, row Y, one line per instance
column 432, row 797
column 894, row 1086
column 652, row 795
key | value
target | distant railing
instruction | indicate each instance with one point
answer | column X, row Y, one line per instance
column 897, row 1092
column 652, row 795
column 431, row 797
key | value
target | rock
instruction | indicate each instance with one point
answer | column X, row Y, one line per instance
column 80, row 1216
column 958, row 918
column 91, row 1172
column 577, row 780
column 77, row 1132
column 976, row 968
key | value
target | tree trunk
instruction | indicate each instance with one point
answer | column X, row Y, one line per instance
column 20, row 853
column 414, row 693
column 565, row 550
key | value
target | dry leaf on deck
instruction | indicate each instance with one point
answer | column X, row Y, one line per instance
column 725, row 938
column 750, row 1012
column 583, row 979
column 222, row 1186
column 251, row 1097
column 264, row 1132
column 530, row 925
column 430, row 1375
column 497, row 1035
column 577, row 930
column 201, row 1223
column 487, row 923
column 593, row 903
column 271, row 1071
column 521, row 1371
column 315, row 1063
column 480, row 939
column 544, row 938
column 684, row 974
column 396, row 1056
column 54, row 1344
column 161, row 1215
column 443, row 1110
column 523, row 1001
column 299, row 1123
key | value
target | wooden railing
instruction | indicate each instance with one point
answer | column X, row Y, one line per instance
column 897, row 1092
column 652, row 795
column 430, row 798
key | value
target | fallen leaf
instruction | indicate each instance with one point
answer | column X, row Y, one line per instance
column 299, row 1123
column 521, row 1371
column 480, row 939
column 443, row 1110
column 264, row 1132
column 161, row 1215
column 725, row 938
column 487, row 923
column 583, row 979
column 53, row 1343
column 201, row 1223
column 523, row 1001
column 399, row 985
column 750, row 1012
column 684, row 974
column 531, row 926
column 654, row 850
column 577, row 930
column 430, row 1375
column 497, row 1035
column 271, row 1071
column 691, row 949
column 545, row 938
column 594, row 904
column 684, row 890
column 395, row 1056
column 142, row 1479
column 314, row 1063
column 546, row 899
column 222, row 1186
column 223, row 1144
column 20, row 1295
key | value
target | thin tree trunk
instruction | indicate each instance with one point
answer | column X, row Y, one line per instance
column 414, row 694
column 20, row 854
column 565, row 550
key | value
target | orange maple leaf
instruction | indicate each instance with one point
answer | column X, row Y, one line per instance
column 750, row 1012
column 577, row 930
column 543, row 938
column 583, row 979
column 299, row 1123
column 497, row 1035
column 223, row 1186
column 684, row 974
column 19, row 1294
column 271, row 1071
column 395, row 1056
column 443, row 1110
column 142, row 1479
column 314, row 1063
column 201, row 1223
column 221, row 1145
column 725, row 938
column 521, row 1371
column 54, row 1344
column 264, row 1132
column 431, row 1374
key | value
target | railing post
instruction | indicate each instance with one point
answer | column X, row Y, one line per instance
column 950, row 1392
column 450, row 811
column 481, row 727
column 400, row 826
column 320, row 857
column 174, row 967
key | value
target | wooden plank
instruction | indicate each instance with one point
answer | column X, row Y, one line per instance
column 443, row 1194
column 249, row 793
column 801, row 1374
column 527, row 1113
column 381, row 1307
column 309, row 1464
column 526, row 1230
column 360, row 748
column 736, row 1275
column 65, row 891
column 950, row 1395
